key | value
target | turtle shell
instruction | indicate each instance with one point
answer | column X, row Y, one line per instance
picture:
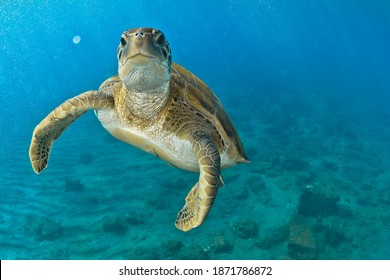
column 192, row 91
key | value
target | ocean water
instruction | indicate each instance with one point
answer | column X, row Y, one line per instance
column 307, row 84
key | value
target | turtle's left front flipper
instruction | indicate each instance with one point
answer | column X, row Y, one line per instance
column 201, row 197
column 51, row 127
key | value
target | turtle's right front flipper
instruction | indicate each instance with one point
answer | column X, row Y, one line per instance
column 51, row 127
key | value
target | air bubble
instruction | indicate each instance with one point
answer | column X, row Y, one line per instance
column 76, row 39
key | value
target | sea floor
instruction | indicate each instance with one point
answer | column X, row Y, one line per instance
column 317, row 187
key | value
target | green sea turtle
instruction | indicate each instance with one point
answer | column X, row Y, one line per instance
column 161, row 108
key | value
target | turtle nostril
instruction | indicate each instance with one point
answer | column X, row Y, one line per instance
column 139, row 34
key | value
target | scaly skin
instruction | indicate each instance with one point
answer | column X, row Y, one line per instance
column 51, row 127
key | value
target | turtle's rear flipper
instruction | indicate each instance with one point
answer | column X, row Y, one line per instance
column 51, row 127
column 201, row 197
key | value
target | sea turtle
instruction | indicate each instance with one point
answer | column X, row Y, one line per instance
column 161, row 108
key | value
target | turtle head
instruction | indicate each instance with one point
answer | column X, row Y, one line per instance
column 144, row 60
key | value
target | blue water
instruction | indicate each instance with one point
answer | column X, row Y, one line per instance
column 307, row 84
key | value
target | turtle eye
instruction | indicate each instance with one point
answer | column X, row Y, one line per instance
column 123, row 42
column 160, row 40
